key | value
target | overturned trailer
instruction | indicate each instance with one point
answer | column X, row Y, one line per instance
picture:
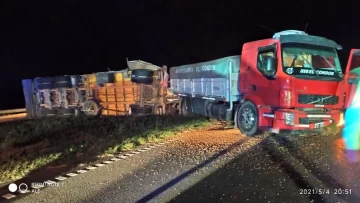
column 104, row 93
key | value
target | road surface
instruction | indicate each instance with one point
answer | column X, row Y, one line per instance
column 218, row 165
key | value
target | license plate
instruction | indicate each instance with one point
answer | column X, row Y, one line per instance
column 319, row 125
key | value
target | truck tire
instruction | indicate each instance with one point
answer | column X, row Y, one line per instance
column 185, row 105
column 75, row 80
column 63, row 82
column 66, row 112
column 82, row 96
column 92, row 108
column 248, row 118
column 44, row 83
column 137, row 110
column 142, row 76
column 103, row 78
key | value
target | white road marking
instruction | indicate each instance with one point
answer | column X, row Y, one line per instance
column 8, row 196
column 98, row 165
column 60, row 178
column 91, row 168
column 135, row 152
column 82, row 171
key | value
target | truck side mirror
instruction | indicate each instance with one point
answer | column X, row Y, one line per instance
column 270, row 64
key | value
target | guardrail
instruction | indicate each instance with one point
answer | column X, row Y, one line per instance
column 12, row 115
column 12, row 111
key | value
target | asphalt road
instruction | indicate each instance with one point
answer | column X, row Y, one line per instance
column 218, row 165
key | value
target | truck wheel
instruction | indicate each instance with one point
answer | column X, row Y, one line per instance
column 248, row 119
column 66, row 112
column 185, row 105
column 137, row 110
column 44, row 83
column 63, row 82
column 92, row 108
column 142, row 76
column 82, row 96
column 75, row 80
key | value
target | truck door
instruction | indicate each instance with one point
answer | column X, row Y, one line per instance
column 352, row 75
column 263, row 85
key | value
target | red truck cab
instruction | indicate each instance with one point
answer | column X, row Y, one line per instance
column 294, row 80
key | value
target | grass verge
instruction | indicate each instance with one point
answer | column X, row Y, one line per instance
column 30, row 145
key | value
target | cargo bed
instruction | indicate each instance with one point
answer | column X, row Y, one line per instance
column 216, row 80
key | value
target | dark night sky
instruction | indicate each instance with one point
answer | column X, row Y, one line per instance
column 76, row 37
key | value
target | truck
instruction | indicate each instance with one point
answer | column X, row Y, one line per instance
column 111, row 93
column 290, row 82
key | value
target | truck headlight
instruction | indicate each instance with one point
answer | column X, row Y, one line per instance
column 289, row 119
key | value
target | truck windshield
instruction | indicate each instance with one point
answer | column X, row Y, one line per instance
column 311, row 61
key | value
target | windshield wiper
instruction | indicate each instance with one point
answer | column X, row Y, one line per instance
column 327, row 61
column 293, row 61
column 309, row 64
column 333, row 67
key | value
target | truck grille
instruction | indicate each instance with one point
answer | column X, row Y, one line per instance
column 318, row 99
column 310, row 120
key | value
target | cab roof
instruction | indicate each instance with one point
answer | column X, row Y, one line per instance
column 293, row 36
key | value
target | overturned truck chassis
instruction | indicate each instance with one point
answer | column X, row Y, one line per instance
column 105, row 93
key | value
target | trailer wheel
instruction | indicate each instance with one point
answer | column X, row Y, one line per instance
column 82, row 96
column 75, row 80
column 142, row 76
column 92, row 108
column 63, row 82
column 248, row 119
column 48, row 112
column 66, row 112
column 44, row 83
column 137, row 110
column 185, row 105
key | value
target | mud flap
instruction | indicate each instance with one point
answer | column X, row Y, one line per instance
column 235, row 117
